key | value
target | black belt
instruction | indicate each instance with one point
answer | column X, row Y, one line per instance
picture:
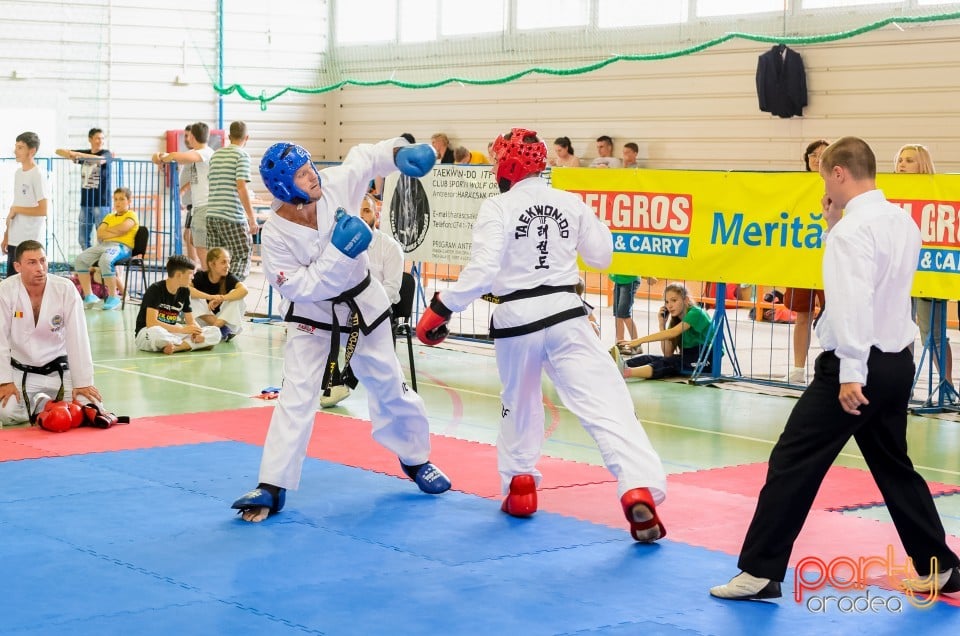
column 539, row 325
column 520, row 294
column 332, row 376
column 57, row 365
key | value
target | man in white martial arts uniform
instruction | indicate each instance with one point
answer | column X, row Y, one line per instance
column 44, row 348
column 314, row 256
column 386, row 266
column 525, row 246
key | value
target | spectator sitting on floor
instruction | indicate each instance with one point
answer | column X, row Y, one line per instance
column 217, row 295
column 165, row 304
column 682, row 340
column 116, row 234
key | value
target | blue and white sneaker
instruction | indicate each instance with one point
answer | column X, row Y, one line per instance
column 261, row 498
column 90, row 300
column 428, row 477
column 112, row 302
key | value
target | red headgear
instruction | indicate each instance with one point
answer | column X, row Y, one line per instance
column 517, row 158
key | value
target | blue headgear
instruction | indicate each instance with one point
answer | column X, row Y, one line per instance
column 279, row 164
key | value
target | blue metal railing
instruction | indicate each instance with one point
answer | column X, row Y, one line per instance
column 156, row 199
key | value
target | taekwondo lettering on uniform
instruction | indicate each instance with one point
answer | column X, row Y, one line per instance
column 543, row 213
column 645, row 222
column 543, row 216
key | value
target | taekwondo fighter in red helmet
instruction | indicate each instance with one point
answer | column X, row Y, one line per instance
column 525, row 246
column 314, row 255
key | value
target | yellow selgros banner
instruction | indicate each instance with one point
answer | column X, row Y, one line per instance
column 748, row 227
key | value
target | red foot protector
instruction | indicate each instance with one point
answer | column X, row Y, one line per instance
column 521, row 501
column 638, row 529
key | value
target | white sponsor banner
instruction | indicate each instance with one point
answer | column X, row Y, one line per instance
column 433, row 217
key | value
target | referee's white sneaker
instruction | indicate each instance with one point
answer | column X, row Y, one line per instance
column 797, row 375
column 617, row 358
column 746, row 587
column 947, row 582
column 338, row 394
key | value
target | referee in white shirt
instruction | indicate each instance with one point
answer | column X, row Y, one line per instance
column 860, row 388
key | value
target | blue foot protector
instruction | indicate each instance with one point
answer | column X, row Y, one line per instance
column 261, row 498
column 429, row 478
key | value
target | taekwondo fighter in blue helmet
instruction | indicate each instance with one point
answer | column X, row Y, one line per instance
column 525, row 246
column 314, row 256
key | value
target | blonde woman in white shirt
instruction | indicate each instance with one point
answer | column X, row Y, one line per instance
column 915, row 159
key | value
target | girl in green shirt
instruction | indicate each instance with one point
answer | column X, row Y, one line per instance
column 682, row 340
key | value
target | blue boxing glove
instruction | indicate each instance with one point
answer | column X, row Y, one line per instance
column 415, row 160
column 351, row 235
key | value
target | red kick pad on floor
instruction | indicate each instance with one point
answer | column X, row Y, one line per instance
column 842, row 489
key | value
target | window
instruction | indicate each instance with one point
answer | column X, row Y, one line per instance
column 836, row 4
column 463, row 17
column 711, row 8
column 369, row 21
column 547, row 14
column 418, row 21
column 629, row 13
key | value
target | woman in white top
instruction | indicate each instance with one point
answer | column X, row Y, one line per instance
column 916, row 159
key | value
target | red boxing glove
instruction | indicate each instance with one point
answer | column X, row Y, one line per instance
column 432, row 326
column 76, row 414
column 55, row 417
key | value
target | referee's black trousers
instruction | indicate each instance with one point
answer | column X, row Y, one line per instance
column 815, row 433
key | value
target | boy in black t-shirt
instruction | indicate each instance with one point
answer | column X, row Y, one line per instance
column 164, row 303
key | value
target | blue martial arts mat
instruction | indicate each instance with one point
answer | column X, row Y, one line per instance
column 143, row 542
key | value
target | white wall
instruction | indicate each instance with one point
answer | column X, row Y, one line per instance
column 700, row 111
column 137, row 68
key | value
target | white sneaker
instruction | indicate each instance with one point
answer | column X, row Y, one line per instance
column 797, row 375
column 338, row 394
column 947, row 581
column 746, row 587
column 617, row 358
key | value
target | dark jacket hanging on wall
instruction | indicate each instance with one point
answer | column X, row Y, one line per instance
column 781, row 82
